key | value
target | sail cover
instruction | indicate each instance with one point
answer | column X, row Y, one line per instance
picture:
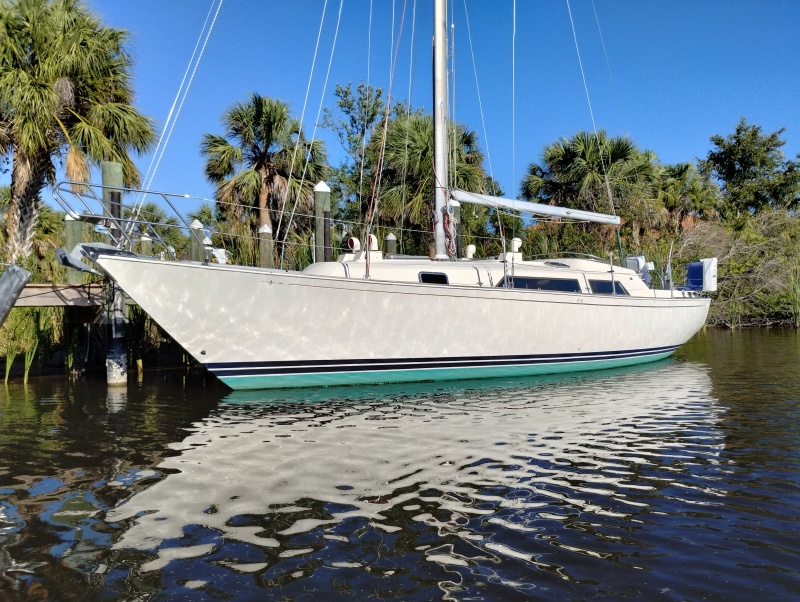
column 533, row 208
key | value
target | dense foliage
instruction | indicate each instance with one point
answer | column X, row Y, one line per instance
column 262, row 167
column 64, row 95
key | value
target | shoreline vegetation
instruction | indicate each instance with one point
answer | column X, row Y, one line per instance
column 66, row 104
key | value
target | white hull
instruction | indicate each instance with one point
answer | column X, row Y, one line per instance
column 258, row 328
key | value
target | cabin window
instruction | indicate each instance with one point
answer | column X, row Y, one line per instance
column 561, row 285
column 433, row 278
column 603, row 287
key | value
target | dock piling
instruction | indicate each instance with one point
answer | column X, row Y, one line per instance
column 265, row 256
column 196, row 237
column 322, row 222
column 390, row 244
column 116, row 351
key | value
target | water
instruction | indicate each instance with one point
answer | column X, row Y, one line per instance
column 679, row 480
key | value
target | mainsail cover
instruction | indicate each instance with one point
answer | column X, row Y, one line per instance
column 533, row 208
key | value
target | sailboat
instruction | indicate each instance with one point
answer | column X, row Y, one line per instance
column 371, row 318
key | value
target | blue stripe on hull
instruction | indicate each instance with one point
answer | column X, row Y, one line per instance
column 270, row 375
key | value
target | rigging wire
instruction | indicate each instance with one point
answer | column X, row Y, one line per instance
column 379, row 163
column 151, row 170
column 302, row 118
column 408, row 123
column 314, row 131
column 452, row 150
column 513, row 95
column 478, row 88
column 608, row 65
column 451, row 113
column 591, row 112
column 619, row 108
column 366, row 106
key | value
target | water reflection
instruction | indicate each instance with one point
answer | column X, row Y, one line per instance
column 69, row 452
column 423, row 484
column 676, row 480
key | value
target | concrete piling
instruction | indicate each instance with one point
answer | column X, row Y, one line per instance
column 116, row 348
column 196, row 238
column 265, row 254
column 145, row 245
column 390, row 244
column 74, row 235
column 322, row 222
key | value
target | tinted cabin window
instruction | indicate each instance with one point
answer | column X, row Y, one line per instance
column 603, row 287
column 561, row 285
column 433, row 278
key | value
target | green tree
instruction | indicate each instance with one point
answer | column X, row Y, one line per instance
column 593, row 172
column 752, row 171
column 758, row 277
column 64, row 93
column 353, row 121
column 687, row 196
column 405, row 183
column 355, row 117
column 230, row 231
column 165, row 230
column 48, row 234
column 263, row 163
column 589, row 171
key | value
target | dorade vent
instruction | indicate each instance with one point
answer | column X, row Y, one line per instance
column 433, row 278
column 556, row 264
column 603, row 287
column 559, row 285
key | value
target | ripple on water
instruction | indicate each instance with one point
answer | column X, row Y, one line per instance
column 570, row 464
column 611, row 484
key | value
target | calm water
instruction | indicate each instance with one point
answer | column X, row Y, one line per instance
column 676, row 481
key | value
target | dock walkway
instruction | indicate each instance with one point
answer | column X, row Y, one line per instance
column 61, row 295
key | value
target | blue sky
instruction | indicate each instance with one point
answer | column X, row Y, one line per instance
column 676, row 72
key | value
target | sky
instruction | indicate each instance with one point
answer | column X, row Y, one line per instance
column 669, row 74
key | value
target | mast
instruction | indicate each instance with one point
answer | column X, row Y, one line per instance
column 440, row 123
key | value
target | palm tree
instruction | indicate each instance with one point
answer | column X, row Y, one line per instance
column 263, row 161
column 687, row 195
column 166, row 229
column 406, row 183
column 593, row 172
column 588, row 171
column 65, row 90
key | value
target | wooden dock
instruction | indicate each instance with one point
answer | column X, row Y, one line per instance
column 61, row 295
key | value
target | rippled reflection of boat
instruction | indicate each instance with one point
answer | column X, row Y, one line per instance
column 370, row 456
